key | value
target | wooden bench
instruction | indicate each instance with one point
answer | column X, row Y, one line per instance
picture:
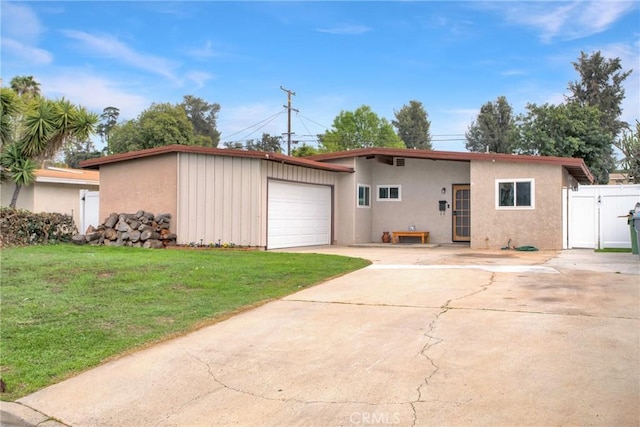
column 395, row 235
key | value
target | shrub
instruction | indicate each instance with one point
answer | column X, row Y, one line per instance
column 21, row 228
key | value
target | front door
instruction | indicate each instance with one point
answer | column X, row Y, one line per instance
column 461, row 213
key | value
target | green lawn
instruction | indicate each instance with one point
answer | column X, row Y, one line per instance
column 67, row 308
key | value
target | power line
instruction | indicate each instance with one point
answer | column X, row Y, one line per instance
column 267, row 120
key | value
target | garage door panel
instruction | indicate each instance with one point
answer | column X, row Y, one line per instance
column 298, row 215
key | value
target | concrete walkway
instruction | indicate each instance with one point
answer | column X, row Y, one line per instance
column 438, row 336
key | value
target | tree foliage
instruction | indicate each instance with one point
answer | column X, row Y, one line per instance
column 157, row 126
column 568, row 130
column 361, row 128
column 629, row 145
column 191, row 122
column 35, row 128
column 203, row 117
column 268, row 143
column 109, row 119
column 413, row 126
column 600, row 86
column 494, row 130
column 304, row 150
column 25, row 86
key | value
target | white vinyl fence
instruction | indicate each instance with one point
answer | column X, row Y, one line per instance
column 89, row 209
column 597, row 216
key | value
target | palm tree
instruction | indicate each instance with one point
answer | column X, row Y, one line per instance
column 25, row 86
column 17, row 168
column 44, row 127
column 49, row 124
column 9, row 108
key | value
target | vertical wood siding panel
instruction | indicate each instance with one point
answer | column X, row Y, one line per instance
column 218, row 199
column 208, row 217
column 227, row 210
column 201, row 193
column 237, row 214
column 193, row 182
column 183, row 191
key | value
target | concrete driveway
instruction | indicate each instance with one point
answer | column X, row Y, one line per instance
column 422, row 337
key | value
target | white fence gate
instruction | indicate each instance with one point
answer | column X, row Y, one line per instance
column 596, row 216
column 89, row 209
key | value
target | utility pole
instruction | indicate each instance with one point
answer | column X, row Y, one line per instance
column 288, row 107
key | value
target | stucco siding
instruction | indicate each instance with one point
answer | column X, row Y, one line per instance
column 421, row 184
column 146, row 183
column 363, row 217
column 60, row 198
column 491, row 228
column 48, row 197
column 218, row 200
column 25, row 197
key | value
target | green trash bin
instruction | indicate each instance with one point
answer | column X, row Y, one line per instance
column 634, row 234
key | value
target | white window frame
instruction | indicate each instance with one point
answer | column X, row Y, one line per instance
column 389, row 187
column 499, row 181
column 367, row 206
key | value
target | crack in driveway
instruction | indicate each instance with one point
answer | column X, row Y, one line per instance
column 433, row 340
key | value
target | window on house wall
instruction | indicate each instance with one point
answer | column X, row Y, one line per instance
column 389, row 193
column 515, row 194
column 364, row 196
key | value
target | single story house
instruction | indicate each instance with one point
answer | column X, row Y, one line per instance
column 58, row 190
column 271, row 200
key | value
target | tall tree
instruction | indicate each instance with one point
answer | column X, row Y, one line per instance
column 361, row 128
column 568, row 130
column 268, row 143
column 629, row 145
column 600, row 86
column 158, row 125
column 413, row 126
column 25, row 86
column 203, row 117
column 109, row 119
column 494, row 129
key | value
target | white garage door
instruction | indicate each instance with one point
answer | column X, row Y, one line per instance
column 298, row 215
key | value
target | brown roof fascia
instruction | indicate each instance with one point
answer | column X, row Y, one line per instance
column 169, row 149
column 575, row 166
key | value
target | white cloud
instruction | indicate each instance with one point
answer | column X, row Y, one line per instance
column 94, row 93
column 200, row 78
column 29, row 54
column 345, row 29
column 203, row 52
column 20, row 22
column 112, row 48
column 566, row 20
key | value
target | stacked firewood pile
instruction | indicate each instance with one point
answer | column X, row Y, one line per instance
column 141, row 229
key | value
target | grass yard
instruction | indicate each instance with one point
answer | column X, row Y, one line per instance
column 68, row 308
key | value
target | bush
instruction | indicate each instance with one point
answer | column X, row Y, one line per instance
column 21, row 228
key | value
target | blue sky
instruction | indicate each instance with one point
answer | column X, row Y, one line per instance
column 452, row 56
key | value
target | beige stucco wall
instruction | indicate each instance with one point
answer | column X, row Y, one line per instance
column 422, row 182
column 25, row 198
column 48, row 197
column 540, row 227
column 147, row 184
